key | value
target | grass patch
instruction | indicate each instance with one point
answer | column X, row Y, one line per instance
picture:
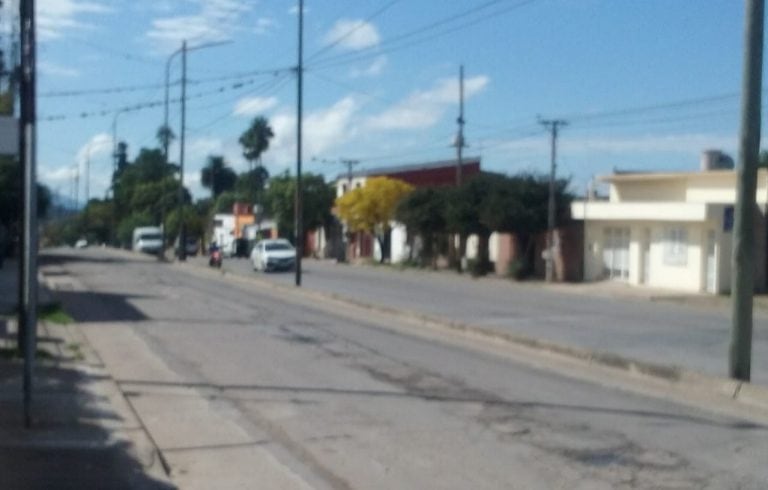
column 10, row 353
column 77, row 353
column 54, row 313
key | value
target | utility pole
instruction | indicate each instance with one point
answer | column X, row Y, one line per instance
column 77, row 187
column 552, row 125
column 28, row 280
column 87, row 185
column 460, row 135
column 182, row 226
column 298, row 204
column 742, row 286
column 460, row 145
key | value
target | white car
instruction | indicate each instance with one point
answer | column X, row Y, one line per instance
column 273, row 255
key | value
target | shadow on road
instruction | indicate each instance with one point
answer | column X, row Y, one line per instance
column 85, row 306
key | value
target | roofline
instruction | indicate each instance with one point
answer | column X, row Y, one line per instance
column 395, row 169
column 639, row 176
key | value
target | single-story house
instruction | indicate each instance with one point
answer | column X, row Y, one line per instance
column 670, row 229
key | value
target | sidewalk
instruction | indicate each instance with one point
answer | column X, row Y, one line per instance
column 84, row 434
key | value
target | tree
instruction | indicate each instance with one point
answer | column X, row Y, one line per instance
column 462, row 215
column 249, row 185
column 217, row 176
column 519, row 204
column 255, row 141
column 422, row 213
column 318, row 200
column 371, row 208
column 165, row 137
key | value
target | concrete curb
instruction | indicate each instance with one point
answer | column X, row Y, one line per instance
column 675, row 376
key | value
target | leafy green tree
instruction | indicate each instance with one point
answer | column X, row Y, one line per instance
column 217, row 176
column 421, row 212
column 225, row 202
column 318, row 200
column 519, row 204
column 371, row 208
column 249, row 185
column 462, row 215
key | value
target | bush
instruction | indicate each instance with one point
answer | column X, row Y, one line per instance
column 476, row 268
column 517, row 270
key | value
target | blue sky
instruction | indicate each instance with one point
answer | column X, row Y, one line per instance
column 644, row 84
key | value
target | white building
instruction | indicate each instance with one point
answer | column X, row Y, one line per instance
column 669, row 230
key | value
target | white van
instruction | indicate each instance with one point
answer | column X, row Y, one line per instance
column 147, row 239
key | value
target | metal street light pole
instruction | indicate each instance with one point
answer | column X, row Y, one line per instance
column 182, row 227
column 298, row 218
column 168, row 84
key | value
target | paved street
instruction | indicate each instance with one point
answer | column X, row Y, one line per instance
column 691, row 336
column 237, row 385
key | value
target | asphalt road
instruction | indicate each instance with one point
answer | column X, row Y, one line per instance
column 693, row 336
column 346, row 402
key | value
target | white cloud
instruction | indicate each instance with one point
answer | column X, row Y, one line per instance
column 353, row 35
column 264, row 25
column 375, row 68
column 98, row 146
column 54, row 17
column 323, row 130
column 423, row 109
column 215, row 20
column 56, row 70
column 251, row 106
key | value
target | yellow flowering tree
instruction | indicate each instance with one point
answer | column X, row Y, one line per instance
column 371, row 208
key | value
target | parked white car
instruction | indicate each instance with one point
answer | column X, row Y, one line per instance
column 273, row 255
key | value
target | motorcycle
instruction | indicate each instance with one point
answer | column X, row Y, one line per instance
column 214, row 260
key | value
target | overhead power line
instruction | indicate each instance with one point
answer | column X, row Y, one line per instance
column 422, row 33
column 351, row 31
column 138, row 88
column 148, row 104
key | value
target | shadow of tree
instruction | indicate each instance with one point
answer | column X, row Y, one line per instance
column 78, row 440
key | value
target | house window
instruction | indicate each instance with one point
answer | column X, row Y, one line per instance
column 616, row 253
column 676, row 246
column 343, row 188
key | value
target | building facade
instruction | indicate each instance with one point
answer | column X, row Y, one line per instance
column 669, row 230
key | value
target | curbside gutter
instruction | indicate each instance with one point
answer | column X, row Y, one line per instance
column 679, row 378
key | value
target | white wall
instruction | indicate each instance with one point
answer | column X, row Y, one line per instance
column 684, row 277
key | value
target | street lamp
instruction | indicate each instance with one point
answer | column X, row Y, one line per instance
column 184, row 49
column 168, row 83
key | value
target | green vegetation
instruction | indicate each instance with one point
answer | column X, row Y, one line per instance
column 54, row 313
column 145, row 192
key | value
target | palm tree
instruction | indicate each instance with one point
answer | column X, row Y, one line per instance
column 255, row 141
column 217, row 176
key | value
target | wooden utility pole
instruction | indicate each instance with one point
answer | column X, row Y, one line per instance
column 553, row 126
column 742, row 286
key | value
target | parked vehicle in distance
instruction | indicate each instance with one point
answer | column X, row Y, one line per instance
column 81, row 243
column 273, row 255
column 190, row 249
column 147, row 239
